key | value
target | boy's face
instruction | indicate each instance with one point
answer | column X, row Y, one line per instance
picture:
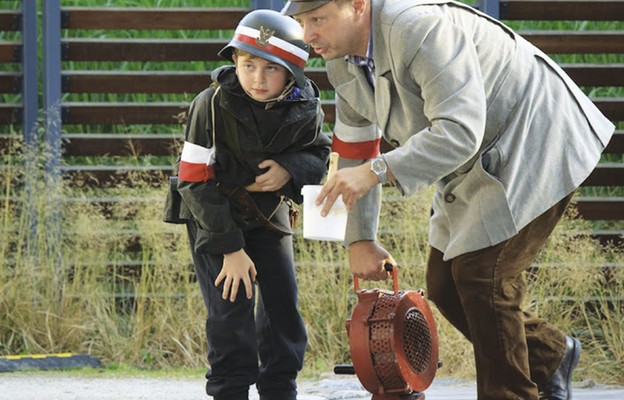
column 262, row 79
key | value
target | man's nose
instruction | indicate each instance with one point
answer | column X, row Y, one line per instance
column 308, row 34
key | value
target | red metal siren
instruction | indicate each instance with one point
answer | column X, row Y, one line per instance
column 393, row 342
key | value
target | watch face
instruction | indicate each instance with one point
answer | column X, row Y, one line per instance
column 378, row 166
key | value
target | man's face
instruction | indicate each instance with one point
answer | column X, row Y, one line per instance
column 334, row 29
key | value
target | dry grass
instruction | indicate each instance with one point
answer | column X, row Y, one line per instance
column 80, row 290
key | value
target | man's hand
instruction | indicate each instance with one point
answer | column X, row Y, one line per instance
column 237, row 267
column 351, row 183
column 274, row 179
column 367, row 260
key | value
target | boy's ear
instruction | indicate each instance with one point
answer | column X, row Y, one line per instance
column 234, row 57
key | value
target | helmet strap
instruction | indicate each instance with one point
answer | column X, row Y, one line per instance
column 268, row 104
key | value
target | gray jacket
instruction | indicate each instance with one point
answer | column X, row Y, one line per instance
column 474, row 109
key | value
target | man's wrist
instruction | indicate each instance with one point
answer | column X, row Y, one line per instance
column 379, row 167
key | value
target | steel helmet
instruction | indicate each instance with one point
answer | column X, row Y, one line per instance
column 274, row 37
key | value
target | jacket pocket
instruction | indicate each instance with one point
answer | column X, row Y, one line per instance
column 476, row 205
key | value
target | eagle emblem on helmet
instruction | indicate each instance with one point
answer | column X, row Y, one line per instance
column 264, row 36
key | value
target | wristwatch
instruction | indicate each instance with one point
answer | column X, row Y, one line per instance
column 380, row 169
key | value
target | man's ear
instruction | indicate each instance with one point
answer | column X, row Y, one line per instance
column 359, row 6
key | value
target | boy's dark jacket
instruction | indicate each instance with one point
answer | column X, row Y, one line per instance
column 246, row 133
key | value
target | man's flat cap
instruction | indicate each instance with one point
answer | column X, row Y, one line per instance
column 294, row 7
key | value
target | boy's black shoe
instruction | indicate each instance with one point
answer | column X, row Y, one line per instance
column 560, row 386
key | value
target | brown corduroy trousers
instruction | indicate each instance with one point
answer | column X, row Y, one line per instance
column 480, row 293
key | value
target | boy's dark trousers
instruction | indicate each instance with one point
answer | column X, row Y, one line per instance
column 236, row 340
column 481, row 293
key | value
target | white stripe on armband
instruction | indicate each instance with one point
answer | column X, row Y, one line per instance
column 196, row 154
column 348, row 133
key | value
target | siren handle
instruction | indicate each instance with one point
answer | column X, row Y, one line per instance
column 344, row 369
column 388, row 267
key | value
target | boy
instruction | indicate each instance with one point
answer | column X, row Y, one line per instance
column 253, row 139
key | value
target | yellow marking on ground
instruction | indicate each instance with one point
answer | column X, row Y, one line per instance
column 16, row 357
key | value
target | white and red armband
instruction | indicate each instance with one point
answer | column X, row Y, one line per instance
column 196, row 163
column 356, row 142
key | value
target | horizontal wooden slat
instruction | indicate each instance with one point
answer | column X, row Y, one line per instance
column 135, row 81
column 589, row 208
column 10, row 113
column 606, row 174
column 616, row 144
column 582, row 74
column 603, row 175
column 10, row 51
column 139, row 113
column 604, row 237
column 120, row 145
column 112, row 175
column 10, row 82
column 195, row 81
column 596, row 74
column 601, row 208
column 611, row 107
column 163, row 113
column 319, row 76
column 615, row 237
column 544, row 10
column 122, row 113
column 10, row 20
column 162, row 144
column 585, row 42
column 151, row 18
column 110, row 144
column 152, row 81
column 142, row 50
column 207, row 49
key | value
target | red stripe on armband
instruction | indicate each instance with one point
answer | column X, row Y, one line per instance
column 356, row 150
column 191, row 172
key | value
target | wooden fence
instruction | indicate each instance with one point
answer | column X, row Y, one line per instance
column 121, row 128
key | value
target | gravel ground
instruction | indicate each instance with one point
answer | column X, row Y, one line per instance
column 68, row 386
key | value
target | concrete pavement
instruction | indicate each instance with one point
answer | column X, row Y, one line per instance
column 42, row 385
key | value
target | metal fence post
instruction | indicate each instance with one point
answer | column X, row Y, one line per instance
column 30, row 90
column 52, row 80
column 52, row 112
column 276, row 5
column 30, row 108
column 490, row 7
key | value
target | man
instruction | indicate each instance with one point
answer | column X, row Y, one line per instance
column 500, row 130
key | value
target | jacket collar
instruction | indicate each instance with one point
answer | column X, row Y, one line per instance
column 382, row 64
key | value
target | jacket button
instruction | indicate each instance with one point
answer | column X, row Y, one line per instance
column 449, row 198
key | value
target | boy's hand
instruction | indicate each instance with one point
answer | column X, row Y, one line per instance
column 274, row 179
column 237, row 267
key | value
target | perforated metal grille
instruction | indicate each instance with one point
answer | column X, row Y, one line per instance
column 417, row 341
column 383, row 356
